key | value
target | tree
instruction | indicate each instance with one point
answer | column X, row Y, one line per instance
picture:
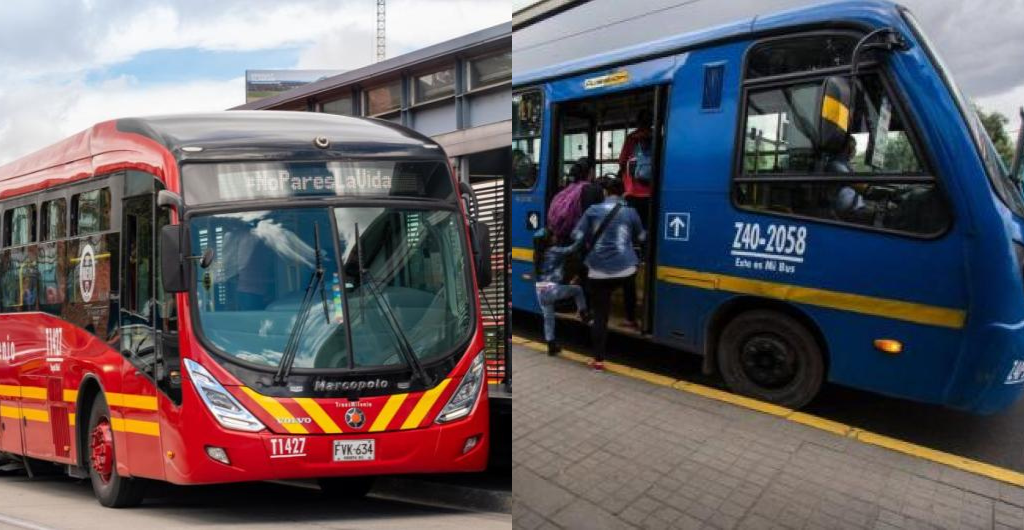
column 995, row 124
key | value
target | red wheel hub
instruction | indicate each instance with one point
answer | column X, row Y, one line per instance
column 101, row 443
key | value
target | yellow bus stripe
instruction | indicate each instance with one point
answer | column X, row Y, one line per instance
column 71, row 419
column 10, row 391
column 388, row 412
column 71, row 396
column 131, row 401
column 9, row 411
column 276, row 411
column 33, row 392
column 319, row 416
column 424, row 405
column 35, row 415
column 148, row 428
column 521, row 254
column 868, row 305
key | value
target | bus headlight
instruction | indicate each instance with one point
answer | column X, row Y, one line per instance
column 228, row 412
column 464, row 398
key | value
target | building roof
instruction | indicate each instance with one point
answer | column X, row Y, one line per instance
column 493, row 36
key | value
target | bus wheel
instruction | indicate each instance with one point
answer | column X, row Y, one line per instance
column 111, row 489
column 340, row 488
column 772, row 357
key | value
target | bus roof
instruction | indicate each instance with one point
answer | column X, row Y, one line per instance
column 693, row 24
column 234, row 135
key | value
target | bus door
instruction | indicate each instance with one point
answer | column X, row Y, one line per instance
column 599, row 130
column 138, row 399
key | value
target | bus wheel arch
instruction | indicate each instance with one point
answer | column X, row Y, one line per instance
column 87, row 392
column 794, row 328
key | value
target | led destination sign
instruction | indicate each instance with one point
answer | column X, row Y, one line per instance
column 207, row 183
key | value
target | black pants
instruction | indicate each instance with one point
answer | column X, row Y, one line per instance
column 642, row 205
column 600, row 306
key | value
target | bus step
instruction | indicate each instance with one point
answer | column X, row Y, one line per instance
column 76, row 472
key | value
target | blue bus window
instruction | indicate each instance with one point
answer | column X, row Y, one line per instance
column 527, row 117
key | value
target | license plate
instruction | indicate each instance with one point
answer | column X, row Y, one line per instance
column 350, row 450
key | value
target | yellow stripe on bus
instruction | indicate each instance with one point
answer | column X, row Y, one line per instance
column 131, row 401
column 319, row 416
column 868, row 305
column 424, row 405
column 35, row 415
column 71, row 419
column 521, row 254
column 388, row 412
column 148, row 428
column 8, row 411
column 10, row 391
column 33, row 392
column 71, row 396
column 276, row 411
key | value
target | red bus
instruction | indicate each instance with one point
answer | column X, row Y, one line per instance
column 241, row 296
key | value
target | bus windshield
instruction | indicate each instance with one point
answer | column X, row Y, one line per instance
column 408, row 262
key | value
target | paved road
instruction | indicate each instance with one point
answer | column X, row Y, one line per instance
column 62, row 503
column 998, row 439
column 604, row 451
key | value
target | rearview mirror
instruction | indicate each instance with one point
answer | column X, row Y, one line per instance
column 835, row 104
column 481, row 240
column 171, row 264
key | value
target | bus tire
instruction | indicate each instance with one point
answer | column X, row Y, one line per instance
column 342, row 488
column 771, row 356
column 111, row 489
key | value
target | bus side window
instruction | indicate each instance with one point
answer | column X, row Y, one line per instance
column 527, row 116
column 18, row 261
column 52, row 228
column 876, row 180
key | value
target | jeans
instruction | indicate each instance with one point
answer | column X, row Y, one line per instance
column 548, row 294
column 601, row 300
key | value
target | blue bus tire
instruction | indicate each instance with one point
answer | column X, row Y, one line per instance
column 771, row 356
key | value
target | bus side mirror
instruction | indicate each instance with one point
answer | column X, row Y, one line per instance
column 171, row 265
column 481, row 239
column 835, row 106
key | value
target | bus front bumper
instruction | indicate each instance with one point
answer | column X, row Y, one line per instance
column 267, row 456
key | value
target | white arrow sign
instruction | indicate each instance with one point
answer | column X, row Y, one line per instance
column 677, row 226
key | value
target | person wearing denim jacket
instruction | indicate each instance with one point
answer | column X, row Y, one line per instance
column 611, row 262
column 549, row 262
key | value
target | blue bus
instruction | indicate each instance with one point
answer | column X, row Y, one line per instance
column 826, row 204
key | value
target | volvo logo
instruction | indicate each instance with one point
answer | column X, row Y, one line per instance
column 322, row 142
column 355, row 418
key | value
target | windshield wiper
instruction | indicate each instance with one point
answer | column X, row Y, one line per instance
column 316, row 283
column 404, row 347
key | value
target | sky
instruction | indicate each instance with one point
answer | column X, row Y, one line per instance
column 68, row 64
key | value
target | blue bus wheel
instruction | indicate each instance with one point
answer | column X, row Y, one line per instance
column 770, row 356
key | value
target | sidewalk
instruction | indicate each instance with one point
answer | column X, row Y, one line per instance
column 605, row 451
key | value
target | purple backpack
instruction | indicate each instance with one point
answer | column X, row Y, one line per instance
column 565, row 210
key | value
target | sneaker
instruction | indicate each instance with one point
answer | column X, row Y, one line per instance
column 597, row 366
column 553, row 348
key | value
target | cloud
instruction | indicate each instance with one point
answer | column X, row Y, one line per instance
column 56, row 57
column 33, row 115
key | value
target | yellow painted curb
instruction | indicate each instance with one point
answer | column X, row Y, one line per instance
column 841, row 429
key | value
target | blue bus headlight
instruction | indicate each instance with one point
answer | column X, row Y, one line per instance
column 464, row 398
column 228, row 412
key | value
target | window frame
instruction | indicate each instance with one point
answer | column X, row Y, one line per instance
column 414, row 78
column 43, row 202
column 8, row 235
column 74, row 230
column 928, row 174
column 365, row 111
column 540, row 135
column 468, row 65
